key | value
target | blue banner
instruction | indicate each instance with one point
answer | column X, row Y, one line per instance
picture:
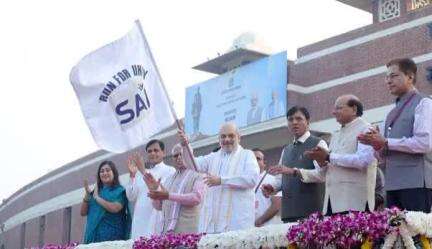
column 246, row 95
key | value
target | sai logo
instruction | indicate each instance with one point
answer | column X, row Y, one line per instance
column 129, row 102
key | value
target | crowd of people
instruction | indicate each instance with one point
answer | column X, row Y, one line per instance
column 364, row 168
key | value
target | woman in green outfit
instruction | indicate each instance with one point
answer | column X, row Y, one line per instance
column 106, row 207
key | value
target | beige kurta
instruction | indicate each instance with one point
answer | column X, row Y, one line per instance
column 347, row 188
column 175, row 216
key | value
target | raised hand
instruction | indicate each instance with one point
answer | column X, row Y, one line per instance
column 151, row 182
column 318, row 154
column 267, row 190
column 373, row 138
column 159, row 194
column 86, row 187
column 132, row 168
column 139, row 161
column 163, row 188
column 96, row 191
column 375, row 128
column 211, row 180
column 182, row 137
column 280, row 169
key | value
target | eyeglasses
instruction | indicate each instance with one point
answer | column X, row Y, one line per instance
column 176, row 155
column 229, row 136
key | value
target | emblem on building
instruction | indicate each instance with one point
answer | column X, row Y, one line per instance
column 388, row 9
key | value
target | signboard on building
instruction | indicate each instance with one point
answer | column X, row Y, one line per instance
column 246, row 95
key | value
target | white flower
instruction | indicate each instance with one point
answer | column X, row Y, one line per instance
column 120, row 244
column 406, row 236
column 417, row 222
column 270, row 236
column 390, row 240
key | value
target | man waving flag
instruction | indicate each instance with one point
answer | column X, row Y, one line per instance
column 121, row 94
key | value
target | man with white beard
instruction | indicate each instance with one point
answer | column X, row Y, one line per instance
column 232, row 173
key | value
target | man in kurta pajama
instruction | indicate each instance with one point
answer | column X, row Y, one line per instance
column 349, row 169
column 144, row 216
column 232, row 173
column 179, row 197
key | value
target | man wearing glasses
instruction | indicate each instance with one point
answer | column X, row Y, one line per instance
column 405, row 144
column 349, row 168
column 178, row 197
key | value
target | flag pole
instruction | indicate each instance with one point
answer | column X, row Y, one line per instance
column 260, row 182
column 173, row 112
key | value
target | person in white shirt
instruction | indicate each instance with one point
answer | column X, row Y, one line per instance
column 266, row 209
column 232, row 174
column 144, row 215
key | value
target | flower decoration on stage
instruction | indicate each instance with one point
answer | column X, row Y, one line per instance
column 342, row 230
column 379, row 229
column 271, row 236
column 169, row 240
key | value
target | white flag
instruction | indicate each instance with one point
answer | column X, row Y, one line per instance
column 121, row 94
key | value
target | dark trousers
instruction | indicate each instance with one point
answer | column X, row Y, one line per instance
column 413, row 199
column 292, row 219
column 330, row 211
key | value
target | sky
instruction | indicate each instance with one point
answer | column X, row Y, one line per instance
column 42, row 127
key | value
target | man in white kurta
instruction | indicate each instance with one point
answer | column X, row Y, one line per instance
column 232, row 173
column 144, row 215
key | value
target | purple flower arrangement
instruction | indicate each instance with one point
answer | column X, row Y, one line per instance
column 342, row 230
column 317, row 231
column 168, row 241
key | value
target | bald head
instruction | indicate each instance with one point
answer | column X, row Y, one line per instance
column 229, row 137
column 229, row 126
column 345, row 98
column 347, row 108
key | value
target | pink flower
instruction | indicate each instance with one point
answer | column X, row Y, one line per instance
column 167, row 241
column 342, row 229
